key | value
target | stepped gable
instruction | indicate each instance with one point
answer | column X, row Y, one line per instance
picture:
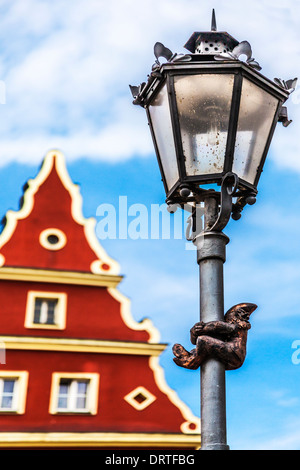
column 68, row 332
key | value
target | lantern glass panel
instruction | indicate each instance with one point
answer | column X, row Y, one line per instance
column 257, row 112
column 162, row 127
column 204, row 103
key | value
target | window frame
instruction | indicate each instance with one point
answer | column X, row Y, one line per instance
column 60, row 310
column 19, row 395
column 91, row 407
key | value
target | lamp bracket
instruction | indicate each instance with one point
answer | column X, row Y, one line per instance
column 229, row 188
column 283, row 116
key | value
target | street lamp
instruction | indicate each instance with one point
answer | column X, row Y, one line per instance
column 212, row 117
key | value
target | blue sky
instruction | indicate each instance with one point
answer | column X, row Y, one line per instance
column 66, row 67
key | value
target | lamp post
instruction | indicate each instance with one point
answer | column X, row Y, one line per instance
column 212, row 117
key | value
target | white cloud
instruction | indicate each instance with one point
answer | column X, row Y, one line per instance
column 287, row 439
column 282, row 398
column 115, row 142
column 67, row 66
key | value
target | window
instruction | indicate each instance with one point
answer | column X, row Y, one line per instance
column 74, row 393
column 8, row 394
column 46, row 310
column 13, row 386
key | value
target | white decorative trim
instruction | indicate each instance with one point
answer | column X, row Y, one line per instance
column 98, row 439
column 160, row 380
column 45, row 234
column 144, row 325
column 58, row 277
column 98, row 346
column 98, row 267
column 55, row 157
column 131, row 398
column 158, row 371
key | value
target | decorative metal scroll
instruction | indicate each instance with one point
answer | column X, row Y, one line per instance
column 243, row 48
column 161, row 51
column 229, row 188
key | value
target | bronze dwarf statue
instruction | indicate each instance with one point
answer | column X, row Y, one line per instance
column 222, row 340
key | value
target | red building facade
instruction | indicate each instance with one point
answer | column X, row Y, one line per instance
column 79, row 371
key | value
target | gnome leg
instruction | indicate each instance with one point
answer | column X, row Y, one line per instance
column 225, row 352
column 184, row 358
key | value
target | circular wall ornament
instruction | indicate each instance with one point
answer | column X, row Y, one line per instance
column 98, row 267
column 53, row 239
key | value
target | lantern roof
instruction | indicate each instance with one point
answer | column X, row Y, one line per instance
column 211, row 42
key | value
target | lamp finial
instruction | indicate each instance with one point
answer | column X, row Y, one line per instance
column 213, row 21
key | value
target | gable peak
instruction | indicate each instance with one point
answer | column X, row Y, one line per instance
column 41, row 201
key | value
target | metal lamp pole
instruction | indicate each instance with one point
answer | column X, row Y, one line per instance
column 220, row 340
column 210, row 257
